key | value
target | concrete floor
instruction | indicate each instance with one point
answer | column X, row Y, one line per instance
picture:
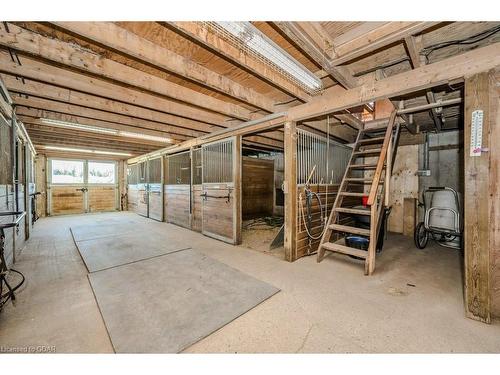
column 326, row 307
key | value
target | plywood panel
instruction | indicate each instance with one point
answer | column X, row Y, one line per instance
column 257, row 187
column 66, row 200
column 142, row 200
column 177, row 205
column 102, row 198
column 404, row 184
column 155, row 202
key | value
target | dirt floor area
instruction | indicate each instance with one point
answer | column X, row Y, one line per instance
column 257, row 235
column 413, row 302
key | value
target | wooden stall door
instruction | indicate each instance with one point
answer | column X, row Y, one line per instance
column 177, row 189
column 155, row 190
column 102, row 198
column 142, row 190
column 221, row 204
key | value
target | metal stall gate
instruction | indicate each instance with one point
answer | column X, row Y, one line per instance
column 155, row 189
column 196, row 190
column 178, row 189
column 142, row 189
column 221, row 205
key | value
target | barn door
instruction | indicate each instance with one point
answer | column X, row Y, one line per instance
column 142, row 189
column 155, row 189
column 221, row 203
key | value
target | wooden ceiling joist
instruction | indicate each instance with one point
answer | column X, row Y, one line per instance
column 436, row 74
column 112, row 36
column 75, row 57
column 35, row 115
column 50, row 74
column 212, row 42
column 366, row 42
column 314, row 41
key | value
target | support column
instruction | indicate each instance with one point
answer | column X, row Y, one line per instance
column 290, row 187
column 481, row 196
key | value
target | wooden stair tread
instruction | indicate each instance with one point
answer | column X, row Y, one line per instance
column 373, row 151
column 363, row 166
column 344, row 250
column 356, row 211
column 371, row 140
column 352, row 194
column 349, row 229
column 364, row 180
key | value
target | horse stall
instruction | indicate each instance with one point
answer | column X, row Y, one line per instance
column 132, row 187
column 177, row 189
column 321, row 164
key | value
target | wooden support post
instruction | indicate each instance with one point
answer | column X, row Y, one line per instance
column 237, row 189
column 290, row 187
column 481, row 229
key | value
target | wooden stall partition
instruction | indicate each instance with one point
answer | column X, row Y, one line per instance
column 142, row 189
column 257, row 178
column 132, row 187
column 177, row 190
column 155, row 189
column 221, row 212
column 65, row 200
column 102, row 198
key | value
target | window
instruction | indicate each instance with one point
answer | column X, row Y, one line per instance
column 101, row 173
column 67, row 172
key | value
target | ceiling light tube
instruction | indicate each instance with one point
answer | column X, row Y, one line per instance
column 83, row 150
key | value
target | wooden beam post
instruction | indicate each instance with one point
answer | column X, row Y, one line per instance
column 481, row 197
column 290, row 187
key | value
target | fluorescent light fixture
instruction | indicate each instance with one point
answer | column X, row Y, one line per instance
column 97, row 129
column 247, row 37
column 84, row 150
column 146, row 137
column 72, row 125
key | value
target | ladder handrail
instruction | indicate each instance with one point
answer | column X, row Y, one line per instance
column 383, row 154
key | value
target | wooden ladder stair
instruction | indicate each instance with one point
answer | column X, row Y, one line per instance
column 381, row 149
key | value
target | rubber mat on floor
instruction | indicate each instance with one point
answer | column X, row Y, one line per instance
column 165, row 304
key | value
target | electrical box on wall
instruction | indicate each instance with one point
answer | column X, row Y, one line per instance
column 424, row 172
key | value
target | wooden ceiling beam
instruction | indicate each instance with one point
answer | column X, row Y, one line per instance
column 50, row 74
column 35, row 124
column 70, row 109
column 54, row 140
column 112, row 36
column 75, row 57
column 375, row 39
column 314, row 41
column 436, row 74
column 207, row 39
column 34, row 116
column 413, row 47
column 90, row 113
column 49, row 92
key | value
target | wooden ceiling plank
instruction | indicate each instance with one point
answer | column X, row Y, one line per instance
column 50, row 74
column 73, row 56
column 210, row 41
column 112, row 36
